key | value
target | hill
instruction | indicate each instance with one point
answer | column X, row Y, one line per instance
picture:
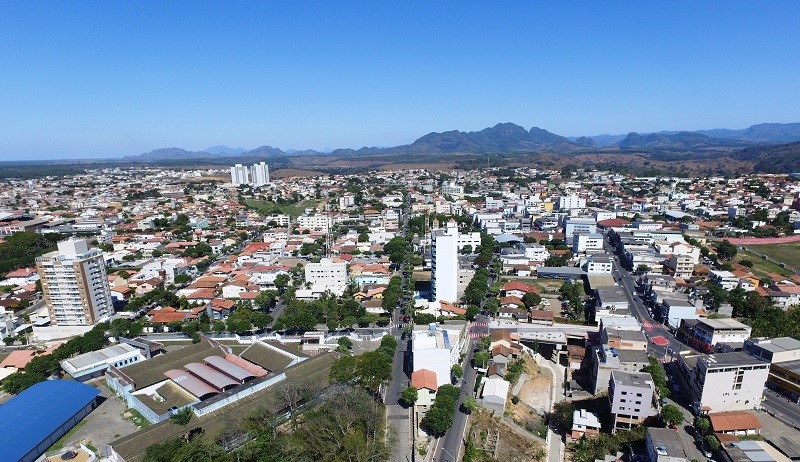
column 783, row 158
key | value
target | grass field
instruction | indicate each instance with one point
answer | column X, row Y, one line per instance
column 760, row 266
column 785, row 253
column 269, row 207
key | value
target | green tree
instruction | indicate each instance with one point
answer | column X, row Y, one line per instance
column 457, row 371
column 485, row 342
column 281, row 281
column 265, row 299
column 671, row 415
column 726, row 250
column 702, row 424
column 345, row 342
column 182, row 417
column 470, row 404
column 183, row 279
column 561, row 417
column 481, row 359
column 712, row 442
column 409, row 395
column 531, row 299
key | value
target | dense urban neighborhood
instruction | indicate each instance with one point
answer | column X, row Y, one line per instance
column 504, row 313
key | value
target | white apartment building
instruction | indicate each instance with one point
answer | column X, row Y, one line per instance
column 471, row 239
column 327, row 273
column 681, row 266
column 315, row 222
column 453, row 189
column 260, row 174
column 724, row 279
column 239, row 175
column 582, row 243
column 631, row 396
column 728, row 382
column 75, row 284
column 571, row 202
column 348, row 200
column 444, row 265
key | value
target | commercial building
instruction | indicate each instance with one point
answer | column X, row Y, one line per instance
column 75, row 284
column 680, row 266
column 599, row 263
column 35, row 419
column 435, row 349
column 574, row 226
column 708, row 332
column 726, row 381
column 611, row 301
column 630, row 395
column 774, row 350
column 95, row 363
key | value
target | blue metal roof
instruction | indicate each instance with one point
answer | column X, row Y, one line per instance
column 31, row 416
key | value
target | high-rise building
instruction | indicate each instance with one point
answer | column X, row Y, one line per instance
column 75, row 284
column 259, row 174
column 239, row 175
column 444, row 263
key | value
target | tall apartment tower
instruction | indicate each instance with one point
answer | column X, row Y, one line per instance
column 444, row 262
column 75, row 284
column 259, row 174
column 239, row 175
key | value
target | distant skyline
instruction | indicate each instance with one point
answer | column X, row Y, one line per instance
column 97, row 79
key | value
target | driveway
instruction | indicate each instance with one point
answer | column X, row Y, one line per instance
column 105, row 424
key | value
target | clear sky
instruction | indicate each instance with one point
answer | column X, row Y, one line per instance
column 106, row 79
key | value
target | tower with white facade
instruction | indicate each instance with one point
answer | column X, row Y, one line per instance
column 75, row 284
column 259, row 174
column 239, row 175
column 444, row 262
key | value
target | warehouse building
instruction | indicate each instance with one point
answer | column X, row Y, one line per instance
column 35, row 419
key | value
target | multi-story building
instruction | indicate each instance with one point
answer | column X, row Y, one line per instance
column 327, row 273
column 571, row 202
column 259, row 174
column 784, row 356
column 582, row 243
column 316, row 222
column 599, row 263
column 453, row 189
column 240, row 175
column 680, row 266
column 574, row 226
column 726, row 381
column 708, row 332
column 444, row 265
column 631, row 397
column 724, row 279
column 75, row 284
column 664, row 445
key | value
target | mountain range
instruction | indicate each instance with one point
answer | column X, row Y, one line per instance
column 512, row 138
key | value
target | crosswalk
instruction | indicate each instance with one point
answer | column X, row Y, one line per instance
column 650, row 325
column 478, row 330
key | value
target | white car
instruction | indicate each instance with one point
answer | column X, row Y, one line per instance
column 545, row 302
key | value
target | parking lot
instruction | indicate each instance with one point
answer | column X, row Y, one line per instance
column 105, row 424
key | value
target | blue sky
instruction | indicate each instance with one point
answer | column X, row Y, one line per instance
column 105, row 79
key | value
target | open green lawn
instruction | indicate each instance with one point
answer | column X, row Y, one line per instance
column 760, row 266
column 785, row 253
column 269, row 207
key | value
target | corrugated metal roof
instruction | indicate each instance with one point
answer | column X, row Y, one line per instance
column 254, row 369
column 212, row 376
column 30, row 417
column 228, row 368
column 191, row 383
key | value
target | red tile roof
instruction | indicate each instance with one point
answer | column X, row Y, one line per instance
column 424, row 378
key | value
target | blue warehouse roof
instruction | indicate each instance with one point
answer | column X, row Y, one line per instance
column 30, row 417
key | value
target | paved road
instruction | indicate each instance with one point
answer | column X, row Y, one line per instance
column 450, row 446
column 781, row 408
column 398, row 416
column 640, row 312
